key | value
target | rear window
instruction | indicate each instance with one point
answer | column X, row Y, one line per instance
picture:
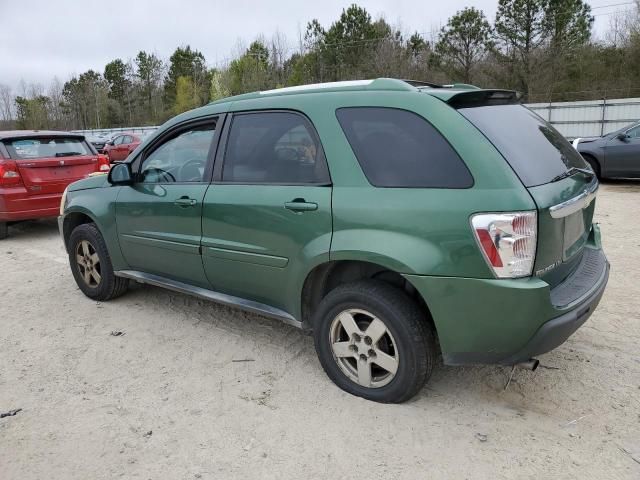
column 397, row 148
column 46, row 147
column 536, row 151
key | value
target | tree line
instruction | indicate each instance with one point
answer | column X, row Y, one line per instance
column 542, row 48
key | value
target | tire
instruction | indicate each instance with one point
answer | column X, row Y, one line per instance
column 408, row 338
column 4, row 230
column 86, row 241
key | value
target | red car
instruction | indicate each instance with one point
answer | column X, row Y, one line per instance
column 36, row 167
column 121, row 146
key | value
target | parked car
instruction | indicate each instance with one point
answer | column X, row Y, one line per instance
column 614, row 155
column 121, row 146
column 392, row 220
column 36, row 167
column 98, row 142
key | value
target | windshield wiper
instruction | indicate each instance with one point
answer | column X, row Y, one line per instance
column 572, row 171
column 67, row 154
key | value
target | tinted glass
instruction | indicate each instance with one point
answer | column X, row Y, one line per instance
column 182, row 158
column 47, row 147
column 536, row 151
column 397, row 148
column 274, row 147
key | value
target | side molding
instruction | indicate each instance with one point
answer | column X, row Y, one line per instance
column 222, row 298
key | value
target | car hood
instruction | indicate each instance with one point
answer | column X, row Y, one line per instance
column 92, row 181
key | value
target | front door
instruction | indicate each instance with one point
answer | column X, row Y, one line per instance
column 159, row 218
column 267, row 217
column 622, row 157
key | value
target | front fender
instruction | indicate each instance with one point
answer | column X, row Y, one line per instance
column 99, row 204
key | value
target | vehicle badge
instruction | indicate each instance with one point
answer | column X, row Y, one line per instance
column 61, row 162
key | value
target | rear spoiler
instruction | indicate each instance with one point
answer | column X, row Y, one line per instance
column 467, row 98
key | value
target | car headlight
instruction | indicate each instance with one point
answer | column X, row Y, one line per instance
column 63, row 201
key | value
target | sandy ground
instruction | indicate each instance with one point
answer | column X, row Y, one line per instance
column 170, row 399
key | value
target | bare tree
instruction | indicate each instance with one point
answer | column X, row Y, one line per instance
column 6, row 103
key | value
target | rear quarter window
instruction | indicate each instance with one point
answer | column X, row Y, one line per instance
column 398, row 148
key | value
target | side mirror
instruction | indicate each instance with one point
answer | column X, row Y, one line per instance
column 120, row 174
column 623, row 137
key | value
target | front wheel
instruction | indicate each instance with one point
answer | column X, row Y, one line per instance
column 91, row 264
column 374, row 342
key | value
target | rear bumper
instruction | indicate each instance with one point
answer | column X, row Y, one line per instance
column 16, row 204
column 482, row 321
column 555, row 332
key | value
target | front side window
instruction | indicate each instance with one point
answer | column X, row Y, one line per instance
column 273, row 147
column 118, row 140
column 397, row 148
column 182, row 158
column 634, row 132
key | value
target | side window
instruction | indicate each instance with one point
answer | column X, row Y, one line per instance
column 274, row 147
column 126, row 140
column 398, row 148
column 181, row 158
column 634, row 132
column 118, row 140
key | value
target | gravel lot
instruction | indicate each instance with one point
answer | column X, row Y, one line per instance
column 196, row 390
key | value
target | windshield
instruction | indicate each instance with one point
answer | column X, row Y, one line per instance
column 536, row 151
column 46, row 147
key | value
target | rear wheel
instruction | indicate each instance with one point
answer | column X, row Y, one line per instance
column 4, row 230
column 374, row 342
column 91, row 264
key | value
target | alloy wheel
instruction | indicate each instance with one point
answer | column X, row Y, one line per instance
column 88, row 263
column 364, row 348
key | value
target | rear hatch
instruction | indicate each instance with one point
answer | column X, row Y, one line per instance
column 48, row 164
column 544, row 161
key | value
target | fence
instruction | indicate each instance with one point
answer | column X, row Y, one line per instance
column 589, row 118
column 112, row 131
column 573, row 119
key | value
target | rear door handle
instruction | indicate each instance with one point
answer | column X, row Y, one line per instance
column 300, row 205
column 185, row 202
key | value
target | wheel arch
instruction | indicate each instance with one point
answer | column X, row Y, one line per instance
column 72, row 220
column 326, row 276
column 590, row 157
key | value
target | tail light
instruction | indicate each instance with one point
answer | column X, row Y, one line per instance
column 507, row 241
column 103, row 163
column 9, row 174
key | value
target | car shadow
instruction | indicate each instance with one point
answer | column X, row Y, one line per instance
column 484, row 383
column 33, row 229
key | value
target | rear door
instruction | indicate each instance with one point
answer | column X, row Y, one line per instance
column 48, row 164
column 622, row 156
column 267, row 215
column 122, row 150
column 159, row 217
column 540, row 156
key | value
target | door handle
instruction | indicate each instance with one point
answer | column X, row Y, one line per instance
column 185, row 202
column 300, row 205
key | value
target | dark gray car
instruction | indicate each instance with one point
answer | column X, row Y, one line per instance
column 616, row 154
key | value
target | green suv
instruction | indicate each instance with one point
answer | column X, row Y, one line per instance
column 396, row 221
